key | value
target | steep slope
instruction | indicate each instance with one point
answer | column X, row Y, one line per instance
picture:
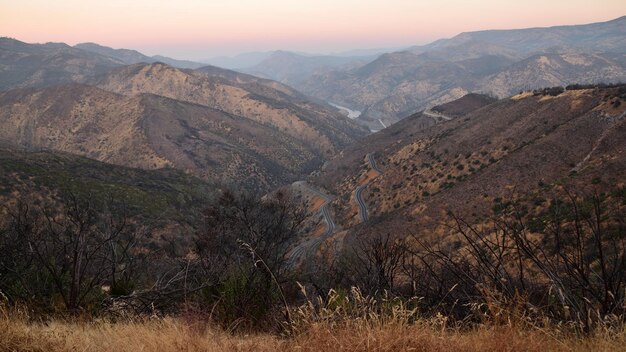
column 153, row 132
column 503, row 152
column 265, row 102
column 133, row 56
column 39, row 65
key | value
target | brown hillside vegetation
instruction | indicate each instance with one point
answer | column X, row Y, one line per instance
column 504, row 150
column 151, row 132
column 266, row 102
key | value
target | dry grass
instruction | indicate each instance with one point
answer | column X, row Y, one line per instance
column 179, row 335
column 167, row 334
column 345, row 322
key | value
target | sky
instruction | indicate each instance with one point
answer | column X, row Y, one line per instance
column 199, row 29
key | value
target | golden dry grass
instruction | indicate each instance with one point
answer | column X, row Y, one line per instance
column 175, row 334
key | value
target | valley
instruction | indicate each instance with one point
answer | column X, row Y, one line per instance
column 234, row 129
column 473, row 187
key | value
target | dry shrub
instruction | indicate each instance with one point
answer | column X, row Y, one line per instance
column 352, row 309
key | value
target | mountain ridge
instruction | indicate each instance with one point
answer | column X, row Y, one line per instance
column 322, row 127
column 152, row 132
column 395, row 85
column 129, row 56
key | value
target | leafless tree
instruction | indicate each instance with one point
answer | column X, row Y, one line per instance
column 236, row 226
column 577, row 258
column 375, row 262
column 582, row 256
column 71, row 249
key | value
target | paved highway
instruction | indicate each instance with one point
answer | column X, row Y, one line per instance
column 435, row 115
column 358, row 194
column 359, row 199
column 373, row 165
column 308, row 248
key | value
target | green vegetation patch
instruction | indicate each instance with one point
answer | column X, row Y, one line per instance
column 165, row 194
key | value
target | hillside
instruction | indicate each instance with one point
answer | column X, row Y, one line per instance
column 554, row 69
column 265, row 102
column 396, row 85
column 464, row 105
column 160, row 198
column 152, row 132
column 213, row 123
column 503, row 151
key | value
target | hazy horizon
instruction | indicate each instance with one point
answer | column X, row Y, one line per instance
column 197, row 30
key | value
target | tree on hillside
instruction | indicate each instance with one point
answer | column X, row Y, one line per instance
column 69, row 250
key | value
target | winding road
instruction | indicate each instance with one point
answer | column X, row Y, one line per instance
column 373, row 165
column 309, row 247
column 359, row 199
column 358, row 194
column 436, row 115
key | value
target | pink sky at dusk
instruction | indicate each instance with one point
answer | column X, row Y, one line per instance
column 196, row 29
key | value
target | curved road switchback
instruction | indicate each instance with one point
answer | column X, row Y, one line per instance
column 358, row 194
column 309, row 247
column 359, row 199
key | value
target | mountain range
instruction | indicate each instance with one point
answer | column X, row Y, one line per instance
column 466, row 125
column 245, row 61
column 220, row 125
column 501, row 62
column 128, row 56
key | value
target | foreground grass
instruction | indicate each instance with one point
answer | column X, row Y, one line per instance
column 175, row 334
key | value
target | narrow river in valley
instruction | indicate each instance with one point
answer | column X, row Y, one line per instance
column 353, row 114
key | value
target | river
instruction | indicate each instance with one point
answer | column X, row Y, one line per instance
column 352, row 114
